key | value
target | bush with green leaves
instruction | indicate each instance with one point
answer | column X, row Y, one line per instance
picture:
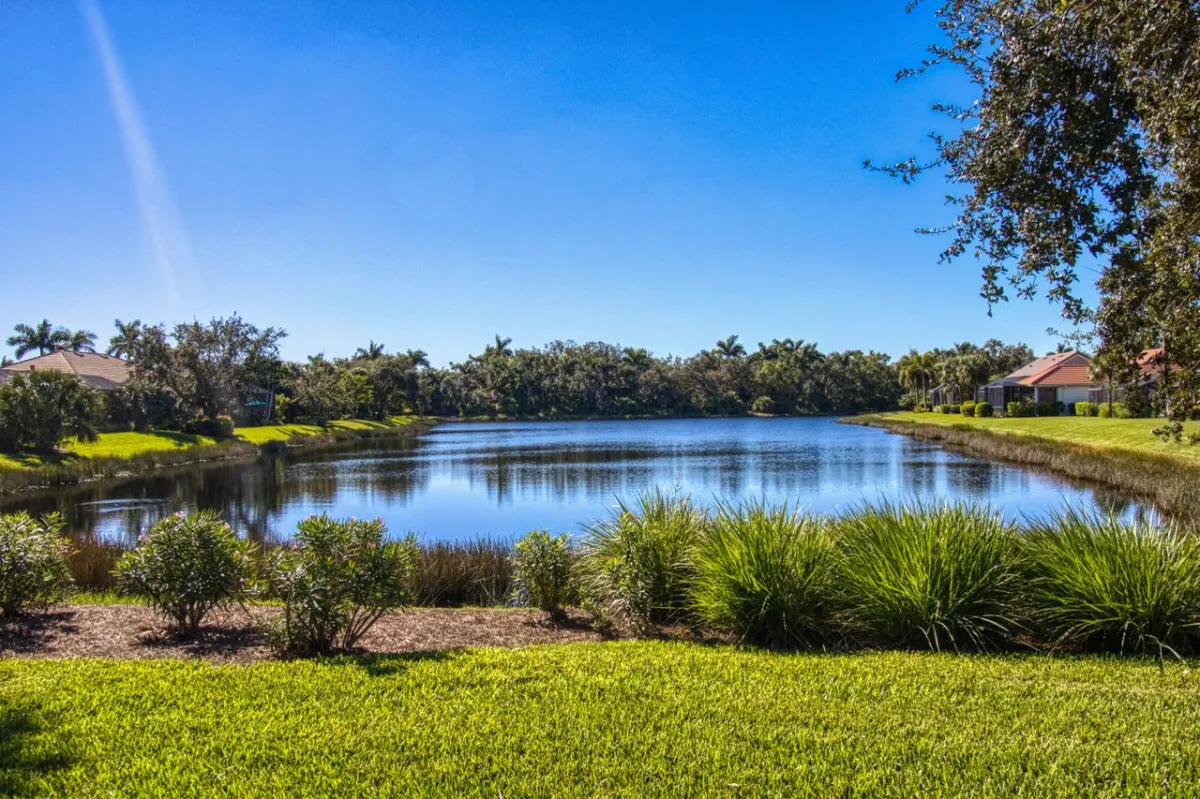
column 937, row 576
column 983, row 410
column 1049, row 408
column 1019, row 408
column 39, row 409
column 336, row 579
column 186, row 566
column 967, row 409
column 220, row 427
column 34, row 573
column 763, row 405
column 1097, row 582
column 542, row 570
column 636, row 564
column 767, row 573
column 908, row 401
column 1085, row 409
column 1115, row 410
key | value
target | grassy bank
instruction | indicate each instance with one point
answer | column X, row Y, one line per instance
column 616, row 719
column 1132, row 435
column 115, row 454
column 1117, row 452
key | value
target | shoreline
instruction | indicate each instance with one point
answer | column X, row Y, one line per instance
column 92, row 470
column 1169, row 483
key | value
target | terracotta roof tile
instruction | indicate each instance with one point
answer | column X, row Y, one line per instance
column 1062, row 369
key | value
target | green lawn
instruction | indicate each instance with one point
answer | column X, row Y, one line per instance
column 282, row 432
column 1126, row 434
column 615, row 719
column 126, row 445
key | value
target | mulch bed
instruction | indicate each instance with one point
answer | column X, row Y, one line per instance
column 131, row 632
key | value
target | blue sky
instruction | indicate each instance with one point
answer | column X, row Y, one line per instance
column 427, row 174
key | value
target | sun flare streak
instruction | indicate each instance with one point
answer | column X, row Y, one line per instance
column 167, row 239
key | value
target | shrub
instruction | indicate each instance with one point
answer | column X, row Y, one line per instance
column 636, row 564
column 931, row 576
column 1097, row 582
column 954, row 410
column 983, row 409
column 336, row 579
column 1019, row 408
column 1105, row 411
column 908, row 401
column 40, row 409
column 767, row 573
column 1121, row 411
column 763, row 405
column 33, row 563
column 186, row 566
column 967, row 409
column 221, row 427
column 542, row 570
column 1049, row 408
column 1085, row 409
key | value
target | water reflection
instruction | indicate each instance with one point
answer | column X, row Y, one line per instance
column 463, row 480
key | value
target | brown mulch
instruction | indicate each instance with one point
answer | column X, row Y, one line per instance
column 131, row 632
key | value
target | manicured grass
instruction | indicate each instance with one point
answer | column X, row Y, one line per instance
column 129, row 444
column 1121, row 434
column 616, row 719
column 283, row 432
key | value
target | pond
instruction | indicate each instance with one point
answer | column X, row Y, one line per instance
column 465, row 480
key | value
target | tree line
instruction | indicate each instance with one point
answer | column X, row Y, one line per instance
column 205, row 377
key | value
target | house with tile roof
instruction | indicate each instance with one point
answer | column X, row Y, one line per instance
column 1064, row 377
column 95, row 370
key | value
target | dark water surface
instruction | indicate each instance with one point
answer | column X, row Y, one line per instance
column 463, row 480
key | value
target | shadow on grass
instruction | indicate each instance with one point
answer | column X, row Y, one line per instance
column 388, row 665
column 27, row 755
column 178, row 439
column 34, row 460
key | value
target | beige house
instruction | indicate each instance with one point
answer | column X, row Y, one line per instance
column 102, row 372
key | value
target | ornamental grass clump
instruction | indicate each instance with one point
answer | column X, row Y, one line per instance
column 1098, row 583
column 636, row 564
column 767, row 573
column 936, row 576
column 187, row 565
column 336, row 579
column 542, row 570
column 34, row 573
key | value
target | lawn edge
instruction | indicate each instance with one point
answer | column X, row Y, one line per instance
column 90, row 470
column 1169, row 482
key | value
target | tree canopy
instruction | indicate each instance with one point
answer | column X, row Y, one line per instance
column 1080, row 151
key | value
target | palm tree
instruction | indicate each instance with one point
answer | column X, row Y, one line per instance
column 500, row 348
column 730, row 347
column 807, row 354
column 43, row 337
column 915, row 371
column 124, row 343
column 418, row 358
column 371, row 352
column 78, row 340
column 637, row 357
column 27, row 338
